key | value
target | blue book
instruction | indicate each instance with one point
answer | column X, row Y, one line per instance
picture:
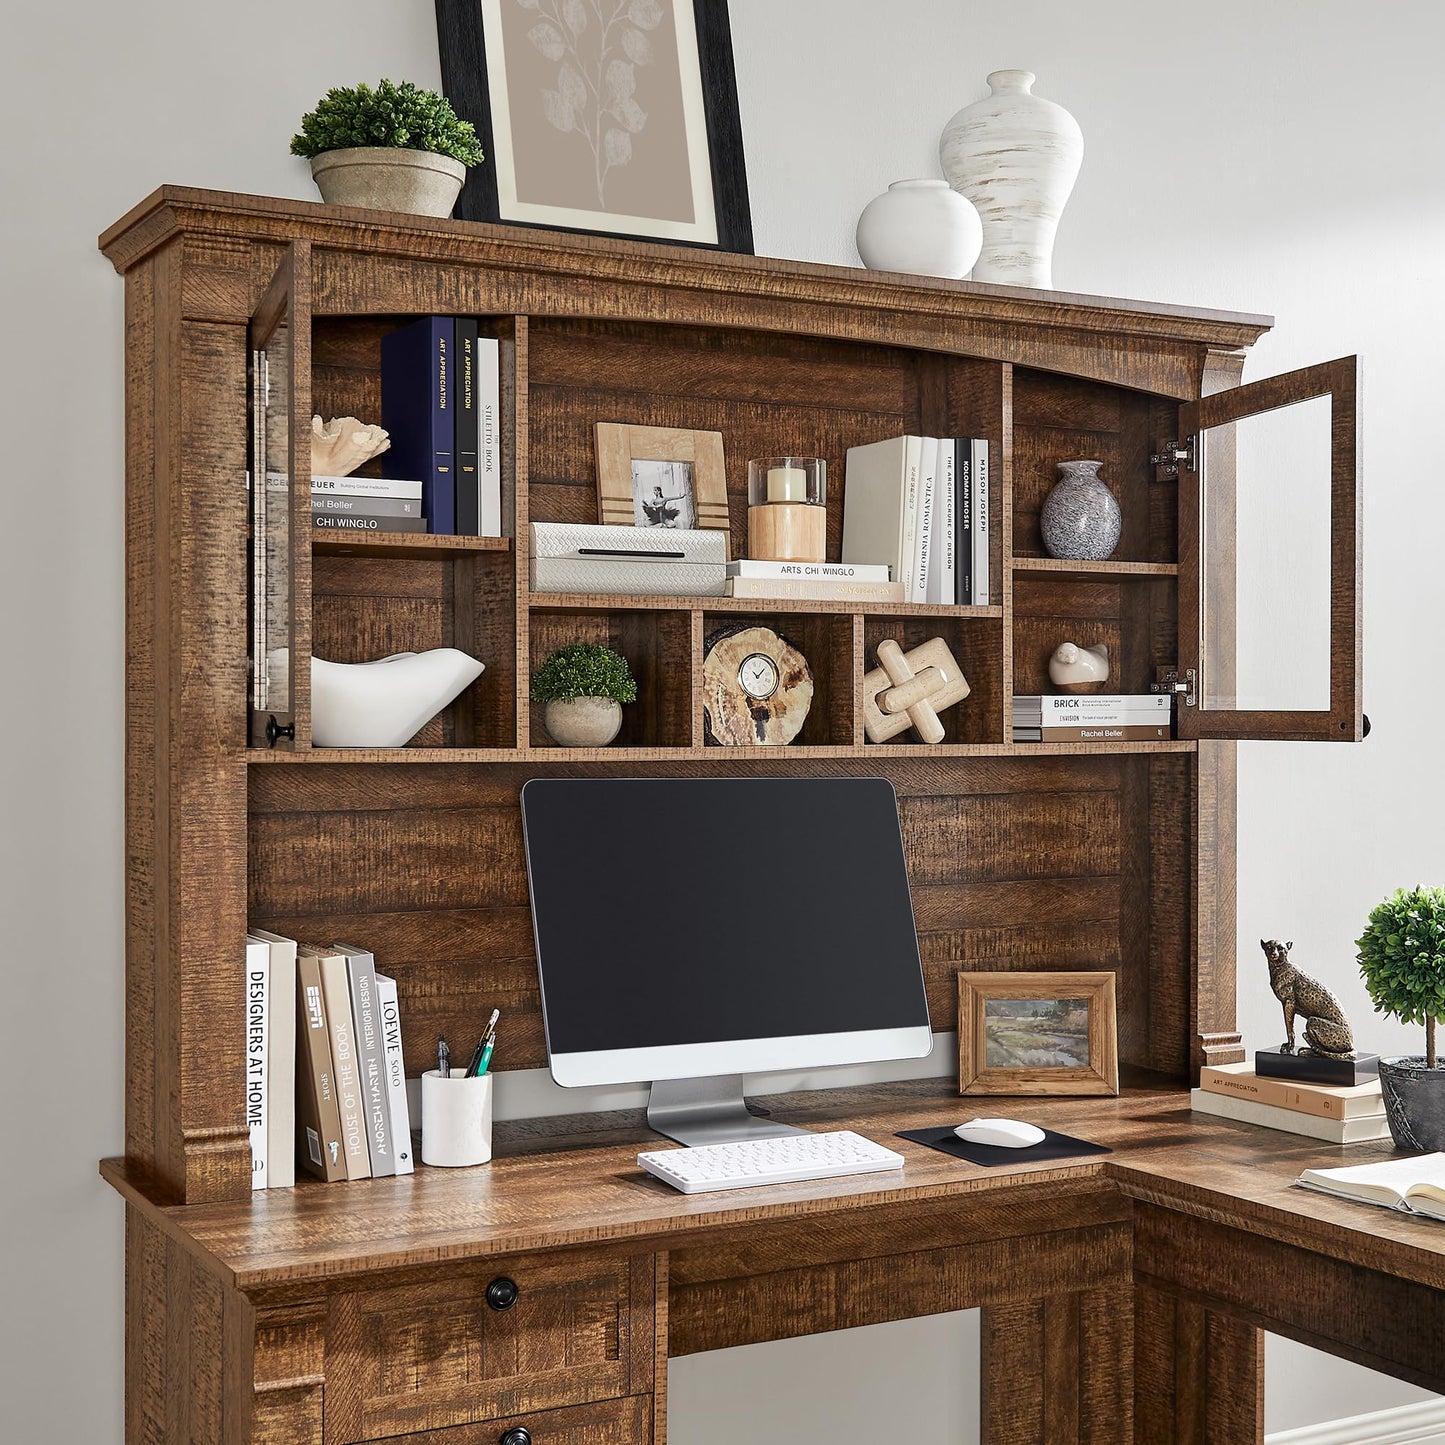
column 418, row 364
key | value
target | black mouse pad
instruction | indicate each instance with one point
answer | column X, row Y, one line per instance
column 992, row 1156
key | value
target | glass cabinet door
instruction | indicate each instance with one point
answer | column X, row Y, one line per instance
column 280, row 406
column 1269, row 559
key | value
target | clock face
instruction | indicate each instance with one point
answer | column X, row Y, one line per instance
column 758, row 675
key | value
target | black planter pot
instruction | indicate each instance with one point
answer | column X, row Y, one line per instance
column 1414, row 1102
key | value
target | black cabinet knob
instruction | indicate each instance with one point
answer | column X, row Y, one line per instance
column 517, row 1435
column 502, row 1295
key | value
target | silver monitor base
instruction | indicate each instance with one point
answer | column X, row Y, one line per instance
column 708, row 1111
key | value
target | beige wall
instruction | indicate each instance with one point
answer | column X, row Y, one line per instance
column 1280, row 156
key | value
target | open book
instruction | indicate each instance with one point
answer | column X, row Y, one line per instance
column 1415, row 1185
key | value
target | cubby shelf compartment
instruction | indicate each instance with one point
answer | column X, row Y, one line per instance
column 424, row 546
column 588, row 602
column 1056, row 566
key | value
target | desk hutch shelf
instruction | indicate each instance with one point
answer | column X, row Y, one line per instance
column 1021, row 856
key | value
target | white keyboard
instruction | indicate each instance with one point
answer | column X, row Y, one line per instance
column 783, row 1160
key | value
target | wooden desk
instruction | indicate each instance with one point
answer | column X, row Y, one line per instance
column 1123, row 1295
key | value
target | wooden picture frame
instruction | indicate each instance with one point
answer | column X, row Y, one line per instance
column 995, row 1055
column 623, row 454
column 611, row 117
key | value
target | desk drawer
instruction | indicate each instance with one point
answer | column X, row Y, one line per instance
column 610, row 1422
column 436, row 1354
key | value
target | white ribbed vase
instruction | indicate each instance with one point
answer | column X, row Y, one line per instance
column 1016, row 157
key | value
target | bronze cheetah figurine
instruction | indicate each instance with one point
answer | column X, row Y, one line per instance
column 1326, row 1029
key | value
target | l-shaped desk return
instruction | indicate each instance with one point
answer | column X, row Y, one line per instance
column 1123, row 1295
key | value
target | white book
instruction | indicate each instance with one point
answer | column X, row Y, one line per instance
column 880, row 482
column 398, row 1109
column 489, row 436
column 811, row 571
column 1415, row 1185
column 923, row 542
column 258, row 971
column 1271, row 1116
column 370, row 1063
column 943, row 559
column 399, row 490
column 978, row 461
column 1084, row 706
column 281, row 1062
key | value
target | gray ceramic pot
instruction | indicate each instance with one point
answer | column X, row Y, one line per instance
column 584, row 722
column 389, row 178
column 1414, row 1102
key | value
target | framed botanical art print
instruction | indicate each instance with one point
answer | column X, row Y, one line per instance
column 1037, row 1033
column 618, row 117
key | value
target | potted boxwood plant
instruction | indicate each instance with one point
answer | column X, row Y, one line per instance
column 395, row 148
column 584, row 686
column 1402, row 959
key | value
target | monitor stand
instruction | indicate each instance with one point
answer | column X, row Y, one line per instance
column 708, row 1111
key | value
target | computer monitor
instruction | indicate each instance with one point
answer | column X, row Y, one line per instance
column 690, row 931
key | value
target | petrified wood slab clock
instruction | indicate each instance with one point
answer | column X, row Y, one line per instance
column 757, row 688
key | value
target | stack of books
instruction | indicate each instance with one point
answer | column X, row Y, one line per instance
column 1338, row 1113
column 919, row 506
column 441, row 406
column 325, row 1082
column 1091, row 717
column 829, row 581
column 366, row 504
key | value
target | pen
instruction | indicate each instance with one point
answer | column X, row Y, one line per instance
column 487, row 1053
column 475, row 1066
column 444, row 1059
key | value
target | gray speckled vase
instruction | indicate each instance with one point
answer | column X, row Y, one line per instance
column 1080, row 519
column 1414, row 1102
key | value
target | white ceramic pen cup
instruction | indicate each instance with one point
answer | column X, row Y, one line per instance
column 456, row 1119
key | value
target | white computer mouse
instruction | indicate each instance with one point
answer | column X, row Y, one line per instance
column 1008, row 1133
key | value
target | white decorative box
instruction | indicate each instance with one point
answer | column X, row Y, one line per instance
column 648, row 561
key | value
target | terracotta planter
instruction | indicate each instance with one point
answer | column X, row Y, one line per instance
column 584, row 722
column 1414, row 1102
column 388, row 178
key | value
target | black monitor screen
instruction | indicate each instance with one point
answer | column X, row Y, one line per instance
column 684, row 911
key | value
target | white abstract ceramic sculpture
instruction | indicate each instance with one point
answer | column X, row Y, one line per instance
column 922, row 227
column 1072, row 665
column 384, row 704
column 1016, row 157
column 342, row 444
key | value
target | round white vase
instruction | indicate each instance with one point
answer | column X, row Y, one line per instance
column 583, row 722
column 922, row 227
column 1016, row 156
column 389, row 178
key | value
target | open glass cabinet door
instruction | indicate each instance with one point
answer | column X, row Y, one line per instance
column 280, row 406
column 1269, row 559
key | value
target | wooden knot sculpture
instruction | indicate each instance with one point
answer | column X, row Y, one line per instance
column 909, row 689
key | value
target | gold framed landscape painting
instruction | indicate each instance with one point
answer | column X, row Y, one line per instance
column 1037, row 1033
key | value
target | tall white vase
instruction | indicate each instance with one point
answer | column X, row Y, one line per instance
column 1016, row 157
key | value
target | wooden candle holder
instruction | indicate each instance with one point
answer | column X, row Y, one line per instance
column 788, row 532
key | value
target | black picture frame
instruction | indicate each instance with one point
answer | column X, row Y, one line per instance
column 462, row 44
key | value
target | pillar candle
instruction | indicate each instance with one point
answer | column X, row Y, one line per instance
column 787, row 484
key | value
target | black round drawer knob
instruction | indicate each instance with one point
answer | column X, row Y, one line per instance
column 517, row 1435
column 502, row 1295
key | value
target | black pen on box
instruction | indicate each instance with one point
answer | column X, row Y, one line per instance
column 444, row 1059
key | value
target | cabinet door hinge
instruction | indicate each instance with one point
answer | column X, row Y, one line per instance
column 1171, row 681
column 1171, row 457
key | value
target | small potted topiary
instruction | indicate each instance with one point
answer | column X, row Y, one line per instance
column 1402, row 959
column 395, row 148
column 584, row 686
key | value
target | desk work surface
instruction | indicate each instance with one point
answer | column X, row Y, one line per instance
column 549, row 1188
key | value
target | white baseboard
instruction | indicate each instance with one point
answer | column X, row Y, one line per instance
column 1420, row 1424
